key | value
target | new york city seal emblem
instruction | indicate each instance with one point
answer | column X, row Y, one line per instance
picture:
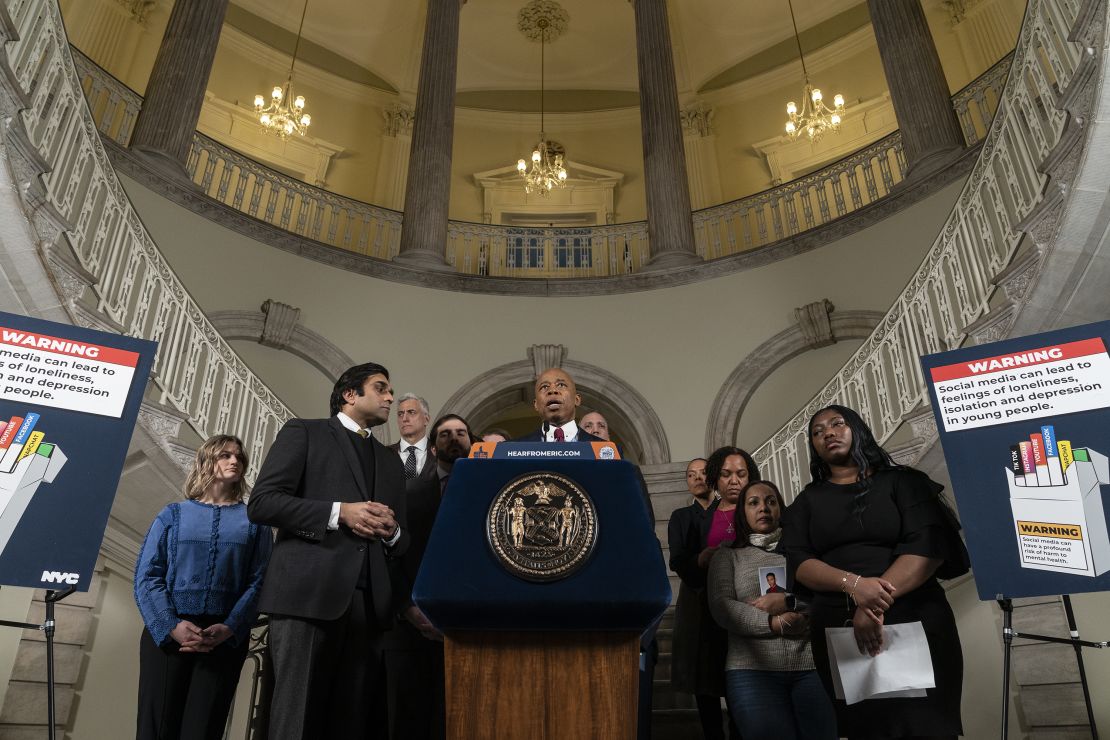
column 542, row 526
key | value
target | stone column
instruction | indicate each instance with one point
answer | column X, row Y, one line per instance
column 428, row 189
column 670, row 230
column 930, row 131
column 175, row 92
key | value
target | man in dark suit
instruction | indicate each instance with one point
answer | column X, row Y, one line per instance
column 414, row 647
column 556, row 401
column 415, row 449
column 335, row 496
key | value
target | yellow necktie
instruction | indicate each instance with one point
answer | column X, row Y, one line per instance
column 363, row 433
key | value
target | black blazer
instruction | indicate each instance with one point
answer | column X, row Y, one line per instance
column 313, row 572
column 687, row 533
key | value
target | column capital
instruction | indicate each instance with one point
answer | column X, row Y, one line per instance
column 399, row 119
column 697, row 119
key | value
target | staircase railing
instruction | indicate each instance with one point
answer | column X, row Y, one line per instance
column 136, row 291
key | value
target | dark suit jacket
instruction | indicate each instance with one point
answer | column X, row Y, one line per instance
column 537, row 436
column 314, row 572
column 687, row 532
column 429, row 469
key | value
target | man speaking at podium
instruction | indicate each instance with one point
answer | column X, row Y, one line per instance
column 556, row 401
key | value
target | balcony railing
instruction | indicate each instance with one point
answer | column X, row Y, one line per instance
column 755, row 221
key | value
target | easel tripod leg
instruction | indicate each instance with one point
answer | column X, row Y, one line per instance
column 1073, row 630
column 1007, row 642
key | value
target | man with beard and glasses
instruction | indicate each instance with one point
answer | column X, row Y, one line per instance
column 414, row 648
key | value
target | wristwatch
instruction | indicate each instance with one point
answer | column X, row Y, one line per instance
column 791, row 602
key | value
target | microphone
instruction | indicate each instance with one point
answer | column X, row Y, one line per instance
column 546, row 427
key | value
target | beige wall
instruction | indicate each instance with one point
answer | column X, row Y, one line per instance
column 14, row 603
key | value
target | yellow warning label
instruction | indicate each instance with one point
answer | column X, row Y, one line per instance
column 1045, row 529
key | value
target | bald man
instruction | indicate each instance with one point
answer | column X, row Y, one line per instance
column 556, row 401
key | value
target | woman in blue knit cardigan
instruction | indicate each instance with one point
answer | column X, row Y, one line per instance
column 196, row 585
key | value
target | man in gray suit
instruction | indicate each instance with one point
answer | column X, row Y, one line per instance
column 336, row 497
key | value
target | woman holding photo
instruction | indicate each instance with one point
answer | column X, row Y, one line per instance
column 869, row 538
column 771, row 686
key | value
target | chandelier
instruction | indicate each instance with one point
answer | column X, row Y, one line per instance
column 543, row 20
column 815, row 118
column 285, row 115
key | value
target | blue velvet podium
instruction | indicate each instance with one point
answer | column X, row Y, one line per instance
column 554, row 659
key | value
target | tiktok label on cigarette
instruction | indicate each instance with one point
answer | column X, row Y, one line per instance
column 1048, row 381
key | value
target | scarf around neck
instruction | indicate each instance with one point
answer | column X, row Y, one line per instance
column 767, row 541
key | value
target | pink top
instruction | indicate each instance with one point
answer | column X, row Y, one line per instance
column 722, row 529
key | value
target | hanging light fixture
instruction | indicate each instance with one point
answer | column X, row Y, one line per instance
column 815, row 118
column 543, row 19
column 285, row 115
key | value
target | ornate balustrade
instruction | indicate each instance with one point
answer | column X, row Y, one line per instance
column 135, row 290
column 954, row 284
column 486, row 250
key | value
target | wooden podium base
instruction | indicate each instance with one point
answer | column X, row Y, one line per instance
column 542, row 685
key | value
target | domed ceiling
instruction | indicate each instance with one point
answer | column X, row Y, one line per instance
column 591, row 65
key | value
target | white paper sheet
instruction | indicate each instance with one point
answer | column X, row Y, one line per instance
column 903, row 668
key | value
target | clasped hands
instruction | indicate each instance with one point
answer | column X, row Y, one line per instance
column 193, row 639
column 779, row 619
column 368, row 519
column 873, row 597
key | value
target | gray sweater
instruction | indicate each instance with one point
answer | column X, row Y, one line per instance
column 733, row 580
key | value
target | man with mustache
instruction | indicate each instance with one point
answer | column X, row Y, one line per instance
column 414, row 648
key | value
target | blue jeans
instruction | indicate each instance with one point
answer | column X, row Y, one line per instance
column 783, row 705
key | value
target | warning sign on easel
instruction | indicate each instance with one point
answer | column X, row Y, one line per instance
column 1024, row 424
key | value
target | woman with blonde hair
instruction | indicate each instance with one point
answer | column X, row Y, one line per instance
column 196, row 586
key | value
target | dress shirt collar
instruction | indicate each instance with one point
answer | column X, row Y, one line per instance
column 421, row 445
column 348, row 422
column 570, row 432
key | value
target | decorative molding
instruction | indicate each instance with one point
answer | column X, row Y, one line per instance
column 813, row 319
column 723, row 425
column 482, row 398
column 399, row 119
column 993, row 326
column 162, row 424
column 313, row 348
column 279, row 324
column 546, row 356
column 697, row 119
column 923, row 424
column 542, row 20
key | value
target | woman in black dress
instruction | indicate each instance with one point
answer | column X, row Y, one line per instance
column 869, row 538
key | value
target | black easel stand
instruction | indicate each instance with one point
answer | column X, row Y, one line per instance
column 1008, row 635
column 47, row 628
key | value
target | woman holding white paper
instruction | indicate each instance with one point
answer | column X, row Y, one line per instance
column 196, row 586
column 869, row 538
column 771, row 686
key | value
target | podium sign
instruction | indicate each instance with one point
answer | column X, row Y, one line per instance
column 69, row 398
column 531, row 657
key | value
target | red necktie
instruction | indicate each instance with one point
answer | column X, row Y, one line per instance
column 559, row 436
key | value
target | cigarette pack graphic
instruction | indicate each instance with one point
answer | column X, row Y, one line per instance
column 28, row 460
column 1062, row 526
